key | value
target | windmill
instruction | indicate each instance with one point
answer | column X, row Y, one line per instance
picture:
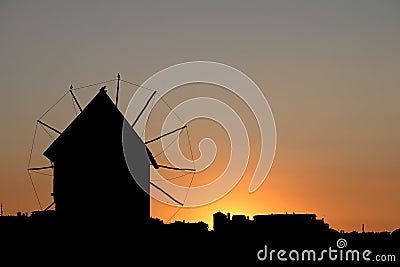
column 91, row 178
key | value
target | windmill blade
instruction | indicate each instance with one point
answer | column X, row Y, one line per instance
column 76, row 100
column 152, row 159
column 174, row 168
column 165, row 193
column 166, row 134
column 48, row 126
column 145, row 106
column 40, row 168
column 49, row 206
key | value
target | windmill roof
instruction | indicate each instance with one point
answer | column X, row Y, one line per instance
column 99, row 124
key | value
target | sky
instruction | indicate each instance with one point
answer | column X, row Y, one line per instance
column 330, row 71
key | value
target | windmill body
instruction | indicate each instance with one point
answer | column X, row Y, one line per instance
column 91, row 179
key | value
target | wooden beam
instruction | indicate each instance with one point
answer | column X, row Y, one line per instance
column 76, row 100
column 48, row 126
column 165, row 193
column 152, row 159
column 40, row 168
column 145, row 106
column 116, row 98
column 178, row 169
column 166, row 134
column 48, row 207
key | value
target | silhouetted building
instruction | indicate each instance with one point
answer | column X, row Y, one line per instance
column 188, row 227
column 290, row 224
column 220, row 221
column 287, row 223
column 92, row 181
column 239, row 218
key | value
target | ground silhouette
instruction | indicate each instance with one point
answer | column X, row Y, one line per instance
column 45, row 238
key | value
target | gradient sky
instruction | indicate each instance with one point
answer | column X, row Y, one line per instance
column 330, row 71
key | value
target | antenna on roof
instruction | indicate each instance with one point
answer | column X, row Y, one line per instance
column 116, row 99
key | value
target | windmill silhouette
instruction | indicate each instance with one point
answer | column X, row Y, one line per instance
column 91, row 178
